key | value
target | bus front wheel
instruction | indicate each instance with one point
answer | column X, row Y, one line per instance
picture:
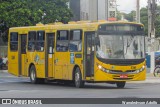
column 78, row 78
column 120, row 84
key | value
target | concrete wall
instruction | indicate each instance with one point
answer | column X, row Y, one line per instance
column 84, row 9
column 93, row 10
column 75, row 7
column 102, row 10
column 89, row 9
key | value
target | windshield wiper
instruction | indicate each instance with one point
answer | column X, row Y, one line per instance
column 129, row 43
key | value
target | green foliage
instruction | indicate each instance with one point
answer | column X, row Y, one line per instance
column 144, row 19
column 130, row 16
column 157, row 22
column 119, row 15
column 15, row 13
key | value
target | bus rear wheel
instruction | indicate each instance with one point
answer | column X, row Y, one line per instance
column 120, row 84
column 78, row 78
column 33, row 78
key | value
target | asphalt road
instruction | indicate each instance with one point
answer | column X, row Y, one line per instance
column 20, row 87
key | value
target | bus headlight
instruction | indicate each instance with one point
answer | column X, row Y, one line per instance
column 140, row 70
column 100, row 67
column 103, row 69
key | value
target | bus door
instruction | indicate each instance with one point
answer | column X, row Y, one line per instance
column 62, row 55
column 22, row 55
column 50, row 55
column 13, row 54
column 89, row 53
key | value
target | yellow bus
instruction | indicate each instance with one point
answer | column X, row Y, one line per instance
column 93, row 52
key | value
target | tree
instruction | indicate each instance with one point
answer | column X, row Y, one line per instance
column 130, row 16
column 119, row 14
column 157, row 22
column 15, row 13
column 144, row 19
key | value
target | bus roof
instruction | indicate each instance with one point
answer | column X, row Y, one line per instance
column 73, row 25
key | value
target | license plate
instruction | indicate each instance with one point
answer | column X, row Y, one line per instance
column 123, row 76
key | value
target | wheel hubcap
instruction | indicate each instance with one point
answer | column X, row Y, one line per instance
column 32, row 75
column 77, row 77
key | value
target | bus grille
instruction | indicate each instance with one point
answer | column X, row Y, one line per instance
column 120, row 72
column 116, row 72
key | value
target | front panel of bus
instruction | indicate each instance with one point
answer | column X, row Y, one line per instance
column 120, row 53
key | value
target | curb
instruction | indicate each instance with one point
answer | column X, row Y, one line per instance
column 150, row 79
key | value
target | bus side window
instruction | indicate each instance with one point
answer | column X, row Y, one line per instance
column 13, row 41
column 31, row 40
column 40, row 41
column 75, row 43
column 62, row 41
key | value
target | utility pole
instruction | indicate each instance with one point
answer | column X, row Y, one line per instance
column 152, row 18
column 138, row 12
column 149, row 18
column 97, row 11
column 153, row 15
column 151, row 31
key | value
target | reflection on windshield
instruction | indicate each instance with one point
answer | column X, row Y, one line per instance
column 120, row 47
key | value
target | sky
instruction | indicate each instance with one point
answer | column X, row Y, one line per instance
column 129, row 5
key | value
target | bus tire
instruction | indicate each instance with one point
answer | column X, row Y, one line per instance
column 33, row 77
column 120, row 84
column 156, row 72
column 78, row 78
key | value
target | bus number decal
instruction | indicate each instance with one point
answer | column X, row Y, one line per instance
column 78, row 55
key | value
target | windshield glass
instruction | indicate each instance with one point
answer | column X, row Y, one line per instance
column 120, row 47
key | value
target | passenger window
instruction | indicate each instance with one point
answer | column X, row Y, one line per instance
column 31, row 40
column 40, row 41
column 75, row 43
column 62, row 41
column 14, row 41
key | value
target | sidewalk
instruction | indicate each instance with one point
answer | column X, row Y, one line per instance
column 3, row 70
column 149, row 79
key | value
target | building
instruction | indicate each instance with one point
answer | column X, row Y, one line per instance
column 93, row 9
column 75, row 7
column 112, row 9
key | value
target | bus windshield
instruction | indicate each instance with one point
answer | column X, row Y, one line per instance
column 121, row 46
